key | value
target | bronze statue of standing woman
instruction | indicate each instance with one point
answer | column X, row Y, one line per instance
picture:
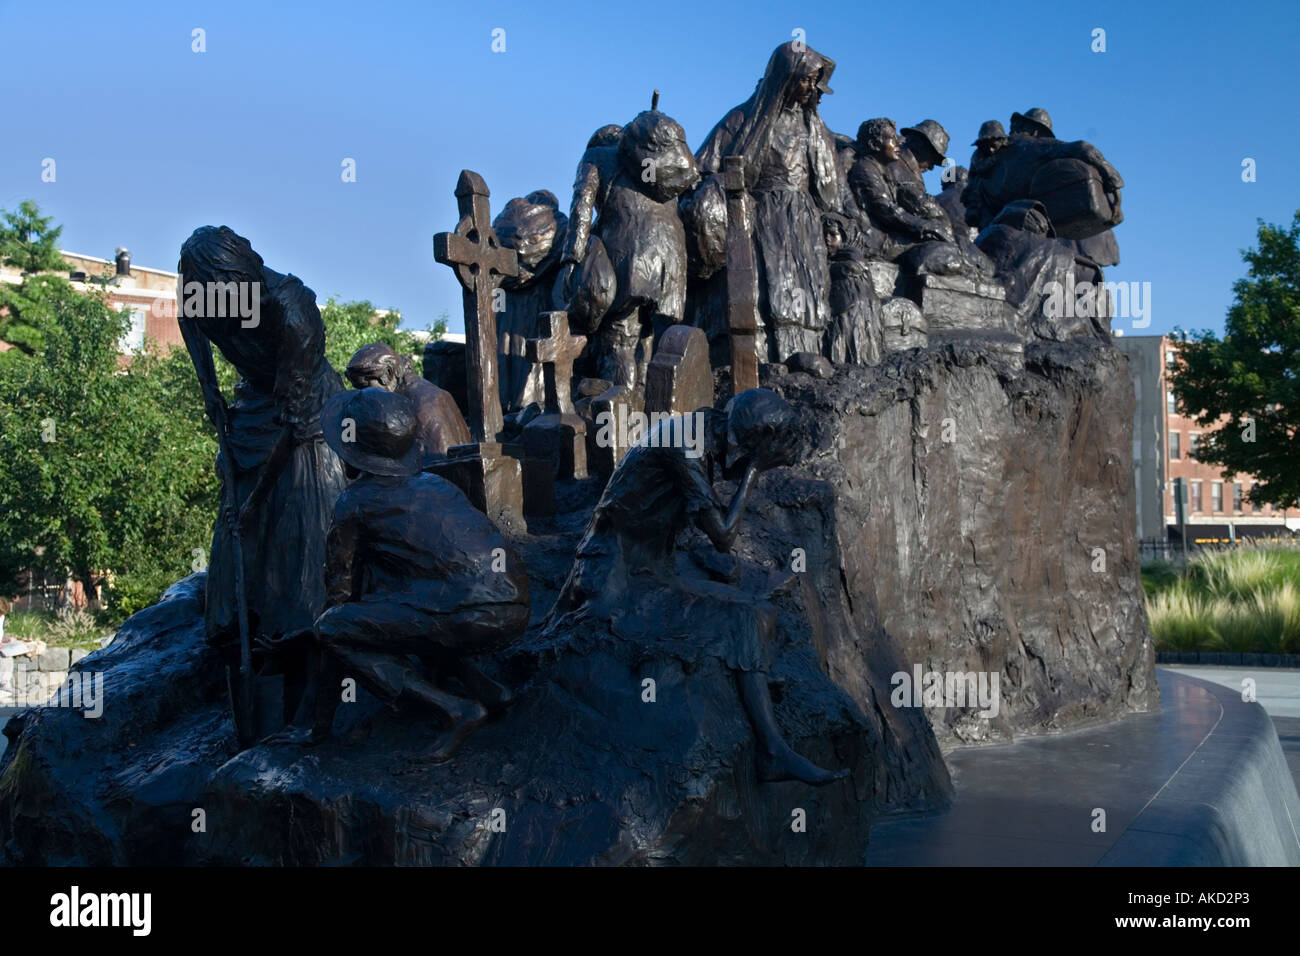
column 793, row 176
column 279, row 478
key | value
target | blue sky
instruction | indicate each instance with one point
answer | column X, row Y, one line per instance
column 152, row 139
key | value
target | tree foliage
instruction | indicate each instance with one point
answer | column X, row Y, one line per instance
column 21, row 321
column 1250, row 375
column 107, row 468
column 28, row 241
column 350, row 325
column 99, row 473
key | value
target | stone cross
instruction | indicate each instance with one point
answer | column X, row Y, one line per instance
column 556, row 354
column 742, row 280
column 480, row 262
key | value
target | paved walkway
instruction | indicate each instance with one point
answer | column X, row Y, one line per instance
column 1276, row 688
column 1278, row 691
column 1192, row 784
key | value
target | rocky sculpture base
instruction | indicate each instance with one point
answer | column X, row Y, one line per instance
column 948, row 518
column 985, row 521
column 581, row 770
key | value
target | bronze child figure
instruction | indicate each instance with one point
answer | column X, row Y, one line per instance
column 624, row 570
column 640, row 230
column 411, row 568
column 441, row 423
column 534, row 227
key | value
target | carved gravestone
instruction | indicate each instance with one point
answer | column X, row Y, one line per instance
column 903, row 325
column 742, row 281
column 556, row 354
column 555, row 443
column 444, row 366
column 680, row 379
column 607, row 439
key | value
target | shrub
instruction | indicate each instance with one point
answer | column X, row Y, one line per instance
column 1159, row 576
column 1243, row 600
column 1237, row 574
column 72, row 625
column 1180, row 621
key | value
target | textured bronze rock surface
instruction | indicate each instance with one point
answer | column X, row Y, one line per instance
column 948, row 554
column 971, row 501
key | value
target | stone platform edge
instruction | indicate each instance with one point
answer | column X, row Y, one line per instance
column 1228, row 659
column 1231, row 803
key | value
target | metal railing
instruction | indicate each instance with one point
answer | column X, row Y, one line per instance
column 1171, row 549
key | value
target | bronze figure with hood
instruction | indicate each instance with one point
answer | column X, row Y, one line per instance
column 792, row 176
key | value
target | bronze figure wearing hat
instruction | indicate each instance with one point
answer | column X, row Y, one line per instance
column 1033, row 123
column 877, row 192
column 1077, row 185
column 927, row 141
column 412, row 568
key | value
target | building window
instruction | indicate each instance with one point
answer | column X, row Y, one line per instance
column 1216, row 496
column 1193, row 443
column 1236, row 497
column 1254, row 505
column 1171, row 403
column 1175, row 445
column 1195, row 496
column 1171, row 358
column 133, row 341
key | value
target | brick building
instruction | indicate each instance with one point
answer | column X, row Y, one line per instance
column 147, row 295
column 1164, row 441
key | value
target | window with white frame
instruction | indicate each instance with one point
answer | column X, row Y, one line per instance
column 133, row 340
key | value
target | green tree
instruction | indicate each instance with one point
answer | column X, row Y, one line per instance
column 350, row 325
column 28, row 241
column 107, row 469
column 1250, row 375
column 100, row 477
column 21, row 321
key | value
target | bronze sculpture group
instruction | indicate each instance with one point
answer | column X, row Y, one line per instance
column 357, row 535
